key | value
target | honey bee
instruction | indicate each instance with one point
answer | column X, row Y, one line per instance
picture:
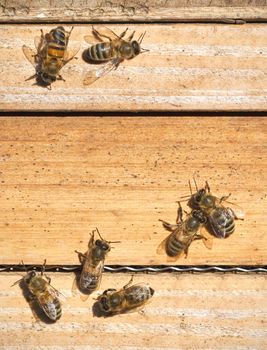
column 112, row 52
column 183, row 233
column 51, row 55
column 129, row 298
column 41, row 291
column 92, row 264
column 220, row 219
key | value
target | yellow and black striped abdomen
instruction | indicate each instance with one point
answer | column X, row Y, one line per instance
column 99, row 52
column 57, row 43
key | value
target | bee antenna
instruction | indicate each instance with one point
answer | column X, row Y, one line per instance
column 144, row 50
column 25, row 268
column 99, row 234
column 17, row 282
column 195, row 182
column 190, row 187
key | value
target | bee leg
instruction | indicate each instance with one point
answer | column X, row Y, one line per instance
column 69, row 33
column 109, row 290
column 131, row 36
column 179, row 213
column 168, row 226
column 234, row 214
column 224, row 198
column 207, row 186
column 81, row 256
column 129, row 283
column 123, row 33
column 60, row 78
column 196, row 237
column 48, row 278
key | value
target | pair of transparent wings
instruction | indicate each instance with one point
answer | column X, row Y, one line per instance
column 94, row 38
column 179, row 229
column 34, row 56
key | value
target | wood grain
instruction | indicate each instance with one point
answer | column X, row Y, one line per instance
column 207, row 311
column 190, row 67
column 62, row 177
column 137, row 10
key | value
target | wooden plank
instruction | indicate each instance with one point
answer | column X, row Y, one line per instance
column 206, row 311
column 189, row 67
column 98, row 11
column 62, row 177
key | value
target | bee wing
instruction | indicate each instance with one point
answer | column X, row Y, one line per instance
column 136, row 292
column 55, row 293
column 93, row 75
column 30, row 54
column 71, row 53
column 100, row 34
column 237, row 211
column 207, row 237
column 162, row 248
column 39, row 42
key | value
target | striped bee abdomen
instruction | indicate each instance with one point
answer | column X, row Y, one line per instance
column 57, row 46
column 222, row 222
column 99, row 52
column 89, row 282
column 138, row 294
column 174, row 246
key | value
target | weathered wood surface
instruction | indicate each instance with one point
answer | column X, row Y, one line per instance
column 207, row 311
column 189, row 67
column 62, row 177
column 137, row 10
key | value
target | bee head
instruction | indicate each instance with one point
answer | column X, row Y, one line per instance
column 136, row 47
column 47, row 79
column 30, row 275
column 103, row 245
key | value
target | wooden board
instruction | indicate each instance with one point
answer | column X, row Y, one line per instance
column 188, row 68
column 207, row 311
column 98, row 11
column 62, row 177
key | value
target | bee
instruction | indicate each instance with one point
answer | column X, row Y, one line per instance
column 93, row 264
column 129, row 298
column 112, row 52
column 220, row 219
column 183, row 233
column 41, row 291
column 51, row 55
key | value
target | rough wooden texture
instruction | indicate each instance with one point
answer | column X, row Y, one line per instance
column 208, row 311
column 62, row 177
column 189, row 67
column 138, row 10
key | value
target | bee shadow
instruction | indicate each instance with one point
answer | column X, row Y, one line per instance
column 37, row 312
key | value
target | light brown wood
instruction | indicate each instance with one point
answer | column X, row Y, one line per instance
column 62, row 177
column 189, row 67
column 98, row 11
column 207, row 311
